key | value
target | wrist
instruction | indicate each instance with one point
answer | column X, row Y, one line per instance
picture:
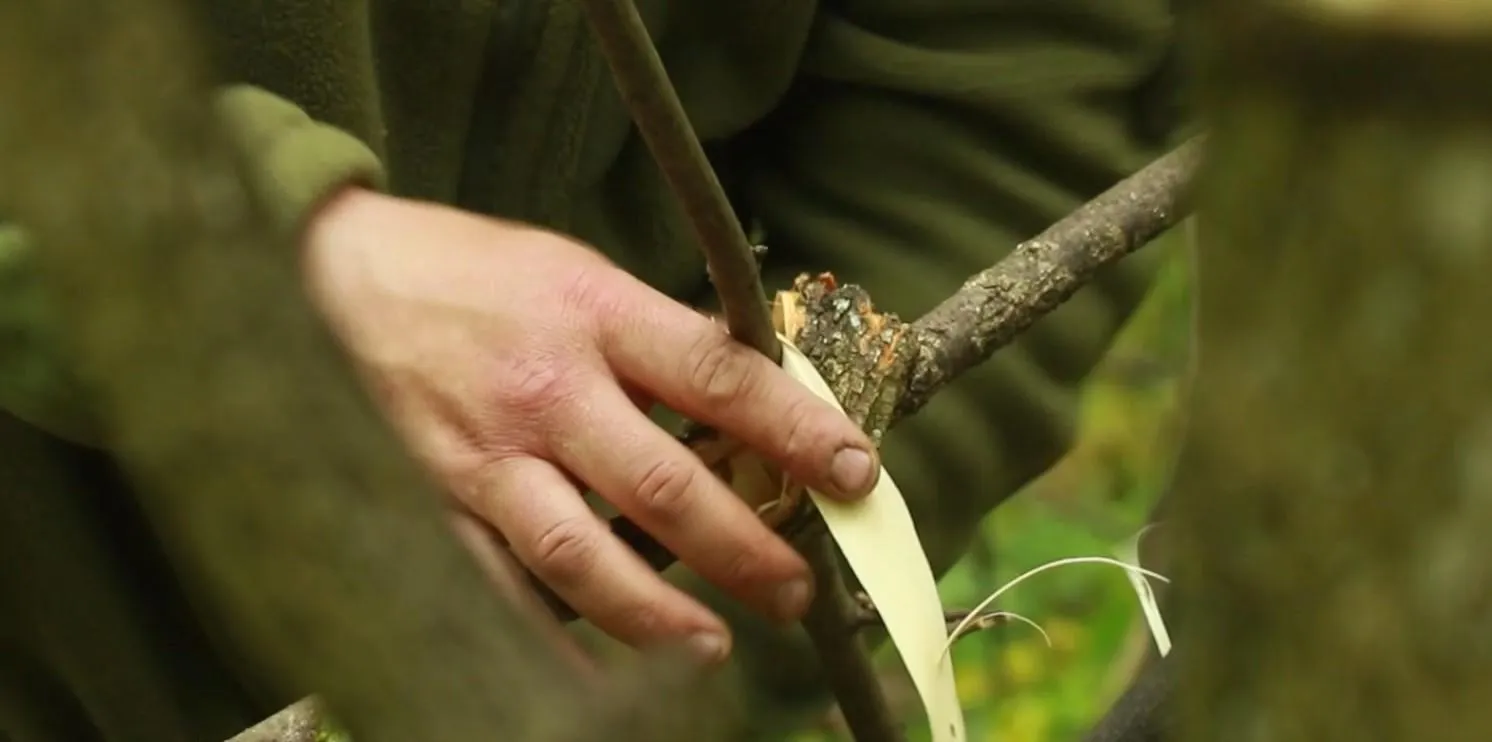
column 339, row 216
column 337, row 224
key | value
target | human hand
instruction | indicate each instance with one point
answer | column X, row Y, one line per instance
column 519, row 364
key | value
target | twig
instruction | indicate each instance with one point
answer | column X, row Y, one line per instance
column 660, row 118
column 847, row 666
column 867, row 617
column 982, row 565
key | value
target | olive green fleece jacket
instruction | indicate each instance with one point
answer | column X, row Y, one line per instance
column 902, row 144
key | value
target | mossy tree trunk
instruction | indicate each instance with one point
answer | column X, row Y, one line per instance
column 1336, row 508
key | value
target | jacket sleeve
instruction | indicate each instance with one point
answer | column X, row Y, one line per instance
column 292, row 164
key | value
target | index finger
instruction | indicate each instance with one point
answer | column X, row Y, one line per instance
column 694, row 366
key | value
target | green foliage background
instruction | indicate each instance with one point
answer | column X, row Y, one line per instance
column 1014, row 687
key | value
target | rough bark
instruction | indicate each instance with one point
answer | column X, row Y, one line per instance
column 996, row 305
column 851, row 674
column 287, row 503
column 1335, row 488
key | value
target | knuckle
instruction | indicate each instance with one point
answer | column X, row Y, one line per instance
column 718, row 370
column 665, row 487
column 590, row 291
column 645, row 621
column 531, row 386
column 598, row 299
column 806, row 431
column 565, row 553
column 745, row 567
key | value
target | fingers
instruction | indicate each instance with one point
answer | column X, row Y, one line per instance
column 552, row 531
column 484, row 545
column 693, row 365
column 669, row 492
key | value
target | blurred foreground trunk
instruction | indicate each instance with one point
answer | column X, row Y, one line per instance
column 1336, row 508
column 318, row 546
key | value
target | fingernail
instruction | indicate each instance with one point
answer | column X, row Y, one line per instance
column 853, row 471
column 709, row 648
column 793, row 598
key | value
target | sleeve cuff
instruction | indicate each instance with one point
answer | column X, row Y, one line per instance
column 294, row 163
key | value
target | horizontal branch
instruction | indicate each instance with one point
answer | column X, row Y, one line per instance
column 993, row 307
